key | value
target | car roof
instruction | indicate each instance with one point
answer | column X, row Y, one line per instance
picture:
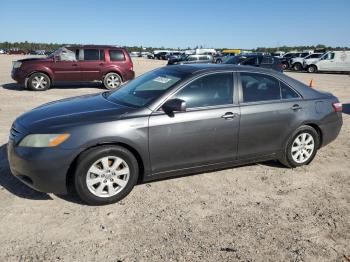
column 94, row 46
column 203, row 68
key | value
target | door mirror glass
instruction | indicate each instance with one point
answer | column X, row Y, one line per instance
column 174, row 105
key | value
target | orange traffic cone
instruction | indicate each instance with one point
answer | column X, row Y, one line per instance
column 311, row 84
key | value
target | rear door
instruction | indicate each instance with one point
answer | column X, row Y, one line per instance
column 270, row 109
column 92, row 61
column 205, row 134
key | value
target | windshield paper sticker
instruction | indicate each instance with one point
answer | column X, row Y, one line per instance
column 162, row 80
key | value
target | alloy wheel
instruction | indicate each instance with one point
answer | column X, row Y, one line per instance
column 113, row 81
column 39, row 82
column 302, row 148
column 107, row 176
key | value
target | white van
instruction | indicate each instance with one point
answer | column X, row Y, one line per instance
column 336, row 61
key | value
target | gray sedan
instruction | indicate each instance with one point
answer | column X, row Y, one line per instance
column 171, row 121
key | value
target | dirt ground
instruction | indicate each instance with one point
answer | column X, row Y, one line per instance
column 261, row 212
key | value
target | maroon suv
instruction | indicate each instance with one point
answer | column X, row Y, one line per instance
column 109, row 64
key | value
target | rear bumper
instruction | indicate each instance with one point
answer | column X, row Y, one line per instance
column 331, row 130
column 43, row 169
column 129, row 75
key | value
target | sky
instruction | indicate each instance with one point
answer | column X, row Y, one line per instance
column 217, row 23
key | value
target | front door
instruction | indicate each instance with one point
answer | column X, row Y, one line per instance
column 205, row 134
column 269, row 111
column 66, row 67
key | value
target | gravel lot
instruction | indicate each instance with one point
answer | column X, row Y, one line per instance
column 261, row 212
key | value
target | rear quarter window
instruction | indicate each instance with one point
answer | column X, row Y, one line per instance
column 116, row 55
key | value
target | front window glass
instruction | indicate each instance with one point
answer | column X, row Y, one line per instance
column 64, row 54
column 145, row 89
column 210, row 90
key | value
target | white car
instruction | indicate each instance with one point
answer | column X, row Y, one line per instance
column 311, row 59
column 336, row 61
column 296, row 62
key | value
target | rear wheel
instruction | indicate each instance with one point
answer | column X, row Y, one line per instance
column 301, row 148
column 38, row 82
column 112, row 81
column 105, row 174
column 312, row 69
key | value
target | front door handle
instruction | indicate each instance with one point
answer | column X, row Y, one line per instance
column 296, row 107
column 229, row 115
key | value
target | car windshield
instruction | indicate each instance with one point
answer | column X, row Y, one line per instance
column 143, row 90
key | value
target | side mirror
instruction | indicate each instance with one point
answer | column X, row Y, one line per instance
column 174, row 105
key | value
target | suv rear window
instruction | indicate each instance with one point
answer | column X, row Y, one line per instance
column 116, row 55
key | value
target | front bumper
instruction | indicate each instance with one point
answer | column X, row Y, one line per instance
column 18, row 75
column 43, row 169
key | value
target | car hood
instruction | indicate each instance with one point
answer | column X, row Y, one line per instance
column 35, row 59
column 72, row 112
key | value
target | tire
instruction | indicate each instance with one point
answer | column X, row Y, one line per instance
column 284, row 66
column 38, row 82
column 218, row 61
column 296, row 147
column 112, row 81
column 312, row 69
column 107, row 185
column 297, row 67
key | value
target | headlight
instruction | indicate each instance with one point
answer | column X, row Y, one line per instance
column 17, row 64
column 43, row 140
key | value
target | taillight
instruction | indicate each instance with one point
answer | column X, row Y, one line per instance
column 338, row 107
column 131, row 66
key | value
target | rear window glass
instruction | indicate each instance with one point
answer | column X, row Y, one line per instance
column 91, row 54
column 116, row 55
column 287, row 92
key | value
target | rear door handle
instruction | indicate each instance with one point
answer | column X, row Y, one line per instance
column 229, row 115
column 296, row 107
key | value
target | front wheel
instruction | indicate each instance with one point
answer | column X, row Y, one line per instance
column 301, row 148
column 105, row 175
column 38, row 82
column 112, row 81
column 312, row 69
column 297, row 67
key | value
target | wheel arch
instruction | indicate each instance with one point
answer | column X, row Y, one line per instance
column 72, row 167
column 318, row 130
column 49, row 75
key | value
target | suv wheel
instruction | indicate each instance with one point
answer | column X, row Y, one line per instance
column 301, row 148
column 38, row 82
column 297, row 66
column 105, row 175
column 312, row 69
column 112, row 81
